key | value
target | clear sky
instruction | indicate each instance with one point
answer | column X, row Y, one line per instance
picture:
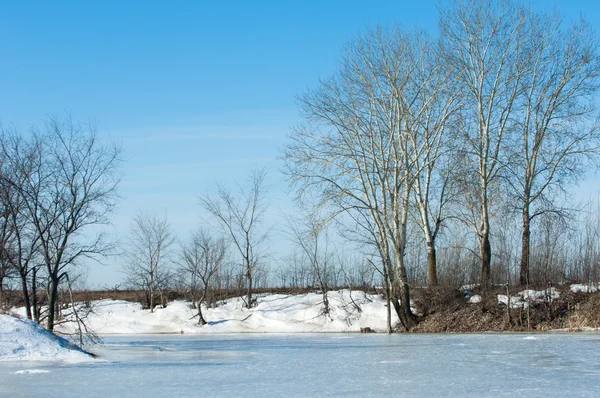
column 196, row 91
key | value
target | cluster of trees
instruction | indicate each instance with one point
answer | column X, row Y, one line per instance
column 435, row 150
column 232, row 256
column 490, row 119
column 55, row 186
column 437, row 159
column 202, row 263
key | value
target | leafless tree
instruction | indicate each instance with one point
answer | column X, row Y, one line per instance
column 201, row 260
column 555, row 116
column 69, row 188
column 434, row 143
column 294, row 271
column 356, row 151
column 310, row 234
column 148, row 255
column 482, row 44
column 18, row 238
column 241, row 216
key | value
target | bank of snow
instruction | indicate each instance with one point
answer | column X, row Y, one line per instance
column 24, row 340
column 273, row 313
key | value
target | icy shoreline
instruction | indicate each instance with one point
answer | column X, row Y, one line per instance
column 25, row 340
column 349, row 312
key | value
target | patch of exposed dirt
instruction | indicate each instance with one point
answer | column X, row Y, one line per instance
column 448, row 310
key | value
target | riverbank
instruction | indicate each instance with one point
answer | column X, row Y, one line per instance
column 568, row 308
column 440, row 310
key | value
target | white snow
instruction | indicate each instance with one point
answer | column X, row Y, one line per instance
column 274, row 313
column 525, row 297
column 585, row 288
column 475, row 299
column 22, row 339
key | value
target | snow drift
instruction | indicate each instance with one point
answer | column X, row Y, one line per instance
column 274, row 313
column 24, row 340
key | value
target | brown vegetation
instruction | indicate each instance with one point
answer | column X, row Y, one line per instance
column 447, row 311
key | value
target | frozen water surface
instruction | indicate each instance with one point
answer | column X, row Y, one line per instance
column 320, row 365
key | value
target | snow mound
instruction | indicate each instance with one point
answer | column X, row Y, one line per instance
column 585, row 288
column 24, row 340
column 526, row 297
column 273, row 313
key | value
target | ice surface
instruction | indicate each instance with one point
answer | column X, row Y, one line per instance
column 488, row 365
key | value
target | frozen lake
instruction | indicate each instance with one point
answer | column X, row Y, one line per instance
column 321, row 365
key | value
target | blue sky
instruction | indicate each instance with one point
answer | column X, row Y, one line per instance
column 196, row 91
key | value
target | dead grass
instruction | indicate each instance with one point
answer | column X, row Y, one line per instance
column 445, row 312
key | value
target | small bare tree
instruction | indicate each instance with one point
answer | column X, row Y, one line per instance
column 241, row 216
column 201, row 260
column 310, row 235
column 147, row 255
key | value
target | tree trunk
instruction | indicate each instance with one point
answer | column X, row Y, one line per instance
column 249, row 291
column 52, row 302
column 486, row 259
column 151, row 291
column 201, row 320
column 388, row 300
column 325, row 301
column 525, row 238
column 34, row 298
column 401, row 298
column 431, row 264
column 25, row 291
column 388, row 297
column 409, row 319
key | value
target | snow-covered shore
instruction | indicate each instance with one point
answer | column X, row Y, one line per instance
column 24, row 340
column 21, row 339
column 273, row 313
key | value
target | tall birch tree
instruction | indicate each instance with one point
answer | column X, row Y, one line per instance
column 483, row 42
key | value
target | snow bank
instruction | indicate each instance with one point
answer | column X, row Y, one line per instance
column 24, row 340
column 524, row 298
column 274, row 313
column 584, row 288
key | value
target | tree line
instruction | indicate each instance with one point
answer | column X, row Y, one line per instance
column 424, row 159
column 496, row 112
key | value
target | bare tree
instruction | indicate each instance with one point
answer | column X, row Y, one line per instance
column 201, row 259
column 482, row 43
column 433, row 143
column 356, row 150
column 310, row 235
column 555, row 117
column 241, row 216
column 70, row 187
column 18, row 238
column 148, row 255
